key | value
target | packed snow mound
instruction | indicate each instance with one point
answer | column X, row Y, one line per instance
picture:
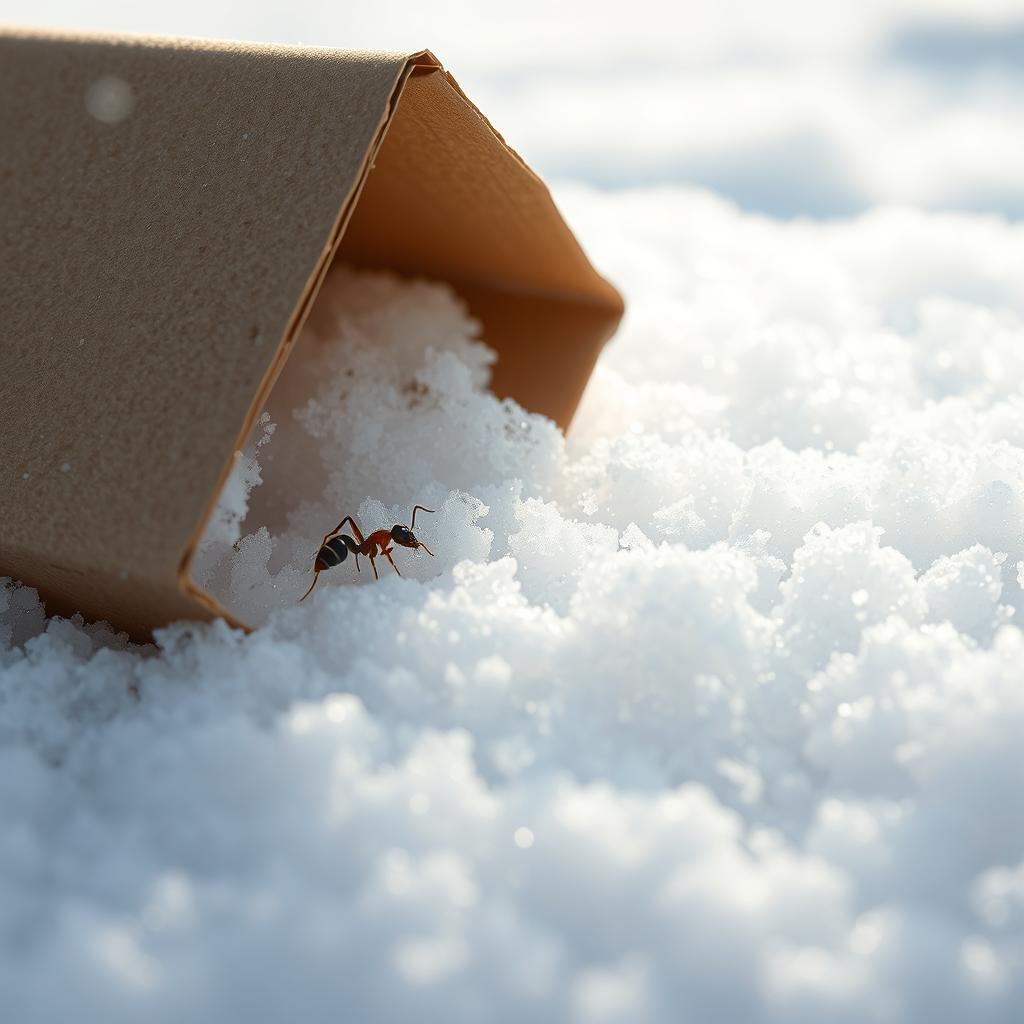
column 712, row 711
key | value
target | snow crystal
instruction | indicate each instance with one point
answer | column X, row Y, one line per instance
column 712, row 710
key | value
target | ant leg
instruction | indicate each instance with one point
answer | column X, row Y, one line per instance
column 337, row 530
column 373, row 565
column 387, row 555
column 425, row 548
column 412, row 525
column 316, row 576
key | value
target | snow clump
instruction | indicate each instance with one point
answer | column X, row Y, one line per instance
column 711, row 711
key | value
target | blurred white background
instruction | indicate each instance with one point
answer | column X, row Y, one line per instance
column 790, row 108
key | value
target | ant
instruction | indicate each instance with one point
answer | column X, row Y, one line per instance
column 335, row 546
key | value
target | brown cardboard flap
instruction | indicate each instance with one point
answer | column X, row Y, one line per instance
column 449, row 200
column 156, row 266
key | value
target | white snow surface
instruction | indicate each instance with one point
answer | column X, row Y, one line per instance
column 711, row 712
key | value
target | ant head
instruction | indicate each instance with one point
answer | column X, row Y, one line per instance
column 404, row 536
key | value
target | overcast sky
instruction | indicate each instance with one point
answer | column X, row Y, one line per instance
column 788, row 108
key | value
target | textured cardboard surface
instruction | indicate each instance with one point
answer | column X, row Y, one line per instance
column 155, row 271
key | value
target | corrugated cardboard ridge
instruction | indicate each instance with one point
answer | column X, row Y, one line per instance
column 155, row 273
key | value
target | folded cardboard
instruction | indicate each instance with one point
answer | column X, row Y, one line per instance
column 169, row 210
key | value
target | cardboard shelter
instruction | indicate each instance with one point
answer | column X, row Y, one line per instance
column 168, row 212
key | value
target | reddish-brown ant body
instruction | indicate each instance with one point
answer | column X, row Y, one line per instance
column 335, row 546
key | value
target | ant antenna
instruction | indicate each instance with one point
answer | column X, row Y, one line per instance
column 412, row 525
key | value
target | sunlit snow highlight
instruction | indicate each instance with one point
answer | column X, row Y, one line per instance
column 711, row 711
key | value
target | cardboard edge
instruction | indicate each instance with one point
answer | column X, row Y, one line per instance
column 612, row 298
column 422, row 62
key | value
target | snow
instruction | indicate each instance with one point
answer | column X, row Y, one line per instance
column 710, row 711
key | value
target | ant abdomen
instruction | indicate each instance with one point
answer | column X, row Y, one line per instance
column 335, row 551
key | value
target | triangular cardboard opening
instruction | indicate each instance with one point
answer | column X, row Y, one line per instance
column 158, row 268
